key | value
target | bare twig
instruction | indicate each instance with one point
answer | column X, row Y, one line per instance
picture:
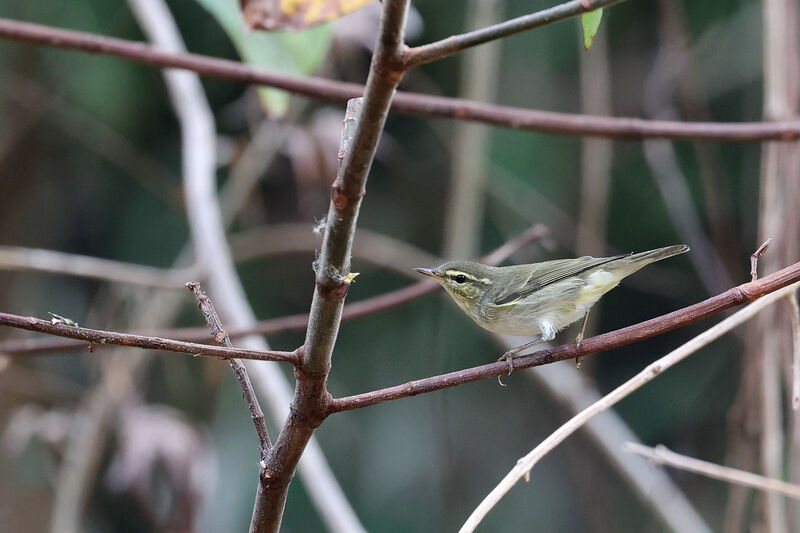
column 662, row 455
column 457, row 43
column 36, row 259
column 653, row 370
column 417, row 104
column 606, row 341
column 220, row 336
column 96, row 338
column 754, row 259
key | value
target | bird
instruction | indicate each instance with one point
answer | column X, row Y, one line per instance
column 538, row 299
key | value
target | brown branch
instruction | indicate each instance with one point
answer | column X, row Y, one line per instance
column 614, row 339
column 405, row 102
column 96, row 337
column 457, row 43
column 291, row 322
column 220, row 336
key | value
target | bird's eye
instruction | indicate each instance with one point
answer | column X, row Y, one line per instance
column 461, row 278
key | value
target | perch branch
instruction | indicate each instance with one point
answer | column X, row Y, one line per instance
column 614, row 339
column 661, row 455
column 404, row 102
column 220, row 336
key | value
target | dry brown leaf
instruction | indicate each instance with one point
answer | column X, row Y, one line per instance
column 295, row 14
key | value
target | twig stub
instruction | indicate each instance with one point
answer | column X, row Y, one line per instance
column 754, row 259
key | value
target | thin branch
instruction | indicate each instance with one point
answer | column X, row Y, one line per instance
column 662, row 455
column 36, row 259
column 404, row 102
column 96, row 338
column 608, row 431
column 653, row 370
column 457, row 43
column 219, row 335
column 754, row 259
column 599, row 343
column 292, row 322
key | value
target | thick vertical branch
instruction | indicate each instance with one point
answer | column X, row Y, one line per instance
column 309, row 406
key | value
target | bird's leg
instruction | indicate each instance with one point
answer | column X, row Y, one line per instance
column 579, row 338
column 509, row 355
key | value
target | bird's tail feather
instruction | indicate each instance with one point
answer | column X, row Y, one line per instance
column 631, row 263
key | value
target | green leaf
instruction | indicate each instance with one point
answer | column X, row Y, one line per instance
column 285, row 52
column 590, row 22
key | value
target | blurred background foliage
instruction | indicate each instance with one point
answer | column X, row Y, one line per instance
column 90, row 164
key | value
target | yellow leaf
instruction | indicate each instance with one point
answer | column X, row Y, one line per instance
column 296, row 14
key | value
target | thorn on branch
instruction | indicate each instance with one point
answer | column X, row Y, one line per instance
column 754, row 259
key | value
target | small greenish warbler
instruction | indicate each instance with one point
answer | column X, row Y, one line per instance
column 539, row 298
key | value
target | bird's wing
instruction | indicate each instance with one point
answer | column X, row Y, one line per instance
column 549, row 272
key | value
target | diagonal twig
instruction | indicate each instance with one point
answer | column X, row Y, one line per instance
column 454, row 44
column 220, row 336
column 292, row 322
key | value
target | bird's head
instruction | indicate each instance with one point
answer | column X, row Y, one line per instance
column 464, row 281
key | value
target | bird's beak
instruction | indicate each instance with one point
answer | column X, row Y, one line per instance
column 429, row 272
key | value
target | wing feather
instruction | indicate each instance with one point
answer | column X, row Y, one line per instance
column 551, row 272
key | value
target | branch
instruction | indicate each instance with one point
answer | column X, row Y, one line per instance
column 291, row 322
column 524, row 465
column 219, row 335
column 606, row 341
column 405, row 102
column 35, row 259
column 661, row 455
column 454, row 44
column 96, row 337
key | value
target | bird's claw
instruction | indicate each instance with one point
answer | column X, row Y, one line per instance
column 509, row 358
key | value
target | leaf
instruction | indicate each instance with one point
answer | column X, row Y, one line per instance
column 288, row 53
column 295, row 14
column 590, row 22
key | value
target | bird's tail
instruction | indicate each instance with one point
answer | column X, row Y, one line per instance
column 631, row 263
column 658, row 254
